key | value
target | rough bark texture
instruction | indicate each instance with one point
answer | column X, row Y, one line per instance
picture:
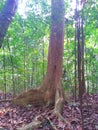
column 6, row 16
column 51, row 91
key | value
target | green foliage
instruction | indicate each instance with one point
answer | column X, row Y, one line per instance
column 90, row 17
column 1, row 4
column 23, row 57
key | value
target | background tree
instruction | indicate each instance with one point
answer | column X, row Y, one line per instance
column 6, row 16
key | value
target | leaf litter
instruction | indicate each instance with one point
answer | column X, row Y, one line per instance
column 13, row 117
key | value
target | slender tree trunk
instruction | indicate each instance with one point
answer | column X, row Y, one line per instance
column 4, row 78
column 51, row 91
column 12, row 69
column 82, row 55
column 43, row 66
column 6, row 16
column 80, row 41
column 75, row 63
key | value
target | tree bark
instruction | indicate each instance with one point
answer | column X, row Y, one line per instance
column 51, row 91
column 6, row 16
column 54, row 68
column 80, row 49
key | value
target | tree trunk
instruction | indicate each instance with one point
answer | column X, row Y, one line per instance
column 6, row 16
column 51, row 91
column 82, row 55
column 80, row 45
column 53, row 78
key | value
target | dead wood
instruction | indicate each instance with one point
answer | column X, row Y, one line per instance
column 43, row 121
column 34, row 124
column 39, row 120
column 5, row 100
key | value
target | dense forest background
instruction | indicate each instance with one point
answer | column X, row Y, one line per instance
column 23, row 56
column 37, row 91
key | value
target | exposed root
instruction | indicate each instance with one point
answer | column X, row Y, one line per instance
column 59, row 102
column 34, row 124
column 43, row 121
column 43, row 97
column 62, row 118
column 52, row 127
column 39, row 120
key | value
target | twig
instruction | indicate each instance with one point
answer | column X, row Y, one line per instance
column 5, row 100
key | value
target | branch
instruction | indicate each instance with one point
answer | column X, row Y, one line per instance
column 34, row 124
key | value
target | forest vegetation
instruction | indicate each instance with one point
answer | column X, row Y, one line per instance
column 49, row 56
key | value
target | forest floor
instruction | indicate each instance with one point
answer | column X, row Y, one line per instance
column 13, row 117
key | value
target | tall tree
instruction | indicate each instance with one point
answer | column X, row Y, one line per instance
column 80, row 41
column 51, row 91
column 6, row 16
